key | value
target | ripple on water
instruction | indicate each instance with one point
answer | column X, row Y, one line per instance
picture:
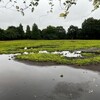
column 19, row 81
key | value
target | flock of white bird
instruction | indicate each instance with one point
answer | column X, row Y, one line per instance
column 63, row 53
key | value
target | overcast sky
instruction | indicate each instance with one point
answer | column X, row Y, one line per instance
column 78, row 13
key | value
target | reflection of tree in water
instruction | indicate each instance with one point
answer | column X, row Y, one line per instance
column 72, row 91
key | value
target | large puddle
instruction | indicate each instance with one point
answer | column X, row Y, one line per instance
column 19, row 81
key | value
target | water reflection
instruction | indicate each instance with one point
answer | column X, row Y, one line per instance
column 72, row 91
column 19, row 81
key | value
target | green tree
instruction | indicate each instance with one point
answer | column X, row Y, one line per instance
column 49, row 33
column 72, row 32
column 11, row 33
column 91, row 28
column 21, row 34
column 79, row 34
column 35, row 32
column 61, row 32
column 28, row 32
column 2, row 34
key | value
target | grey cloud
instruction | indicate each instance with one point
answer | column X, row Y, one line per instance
column 76, row 16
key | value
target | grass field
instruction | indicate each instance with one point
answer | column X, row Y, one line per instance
column 91, row 48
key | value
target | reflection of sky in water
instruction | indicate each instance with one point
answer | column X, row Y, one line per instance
column 71, row 90
column 19, row 81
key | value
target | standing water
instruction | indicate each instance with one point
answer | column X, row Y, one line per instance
column 19, row 81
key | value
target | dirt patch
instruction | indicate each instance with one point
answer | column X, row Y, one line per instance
column 41, row 64
column 93, row 67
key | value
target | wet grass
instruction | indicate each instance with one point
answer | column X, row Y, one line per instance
column 92, row 56
column 52, row 45
column 43, row 58
column 58, row 59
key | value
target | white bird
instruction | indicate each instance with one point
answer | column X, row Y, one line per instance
column 25, row 48
column 17, row 54
column 25, row 53
column 64, row 53
column 43, row 52
column 78, row 52
column 76, row 55
column 69, row 54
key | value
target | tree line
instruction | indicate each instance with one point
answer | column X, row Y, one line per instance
column 16, row 33
column 90, row 30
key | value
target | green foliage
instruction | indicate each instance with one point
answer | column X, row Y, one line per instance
column 72, row 32
column 59, row 59
column 35, row 32
column 87, row 61
column 61, row 32
column 87, row 55
column 49, row 33
column 43, row 58
column 96, row 4
column 28, row 32
column 21, row 34
column 2, row 34
column 91, row 28
column 11, row 33
column 31, row 4
column 52, row 32
column 20, row 7
column 49, row 45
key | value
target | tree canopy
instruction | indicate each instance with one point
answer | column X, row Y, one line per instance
column 90, row 30
column 22, row 5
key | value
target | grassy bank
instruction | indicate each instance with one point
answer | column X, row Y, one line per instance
column 35, row 46
column 60, row 59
